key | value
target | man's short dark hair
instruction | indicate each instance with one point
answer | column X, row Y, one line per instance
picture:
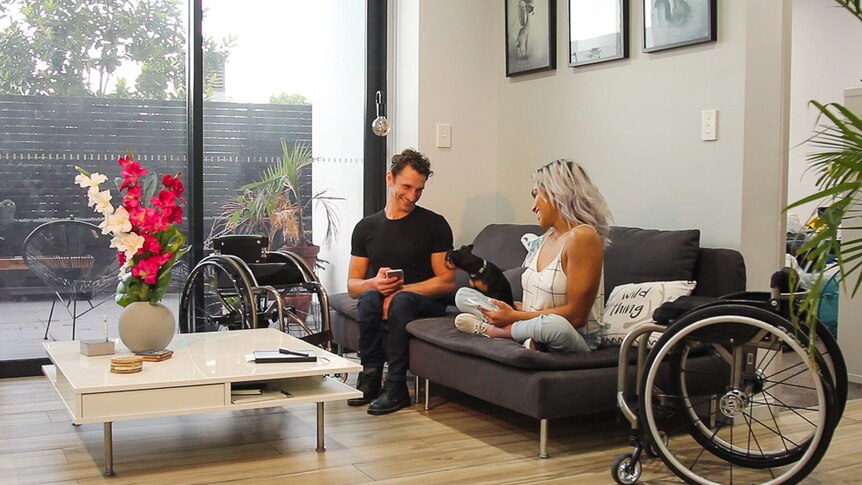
column 413, row 159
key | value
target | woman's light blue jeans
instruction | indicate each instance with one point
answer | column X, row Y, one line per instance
column 552, row 330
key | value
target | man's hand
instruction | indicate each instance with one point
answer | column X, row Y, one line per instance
column 387, row 286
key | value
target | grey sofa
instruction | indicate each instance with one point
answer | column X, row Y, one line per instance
column 542, row 385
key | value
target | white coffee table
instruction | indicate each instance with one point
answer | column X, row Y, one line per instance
column 197, row 379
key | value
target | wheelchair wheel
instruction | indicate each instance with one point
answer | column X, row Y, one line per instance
column 752, row 406
column 217, row 296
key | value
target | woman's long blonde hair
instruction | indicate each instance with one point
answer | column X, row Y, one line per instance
column 579, row 201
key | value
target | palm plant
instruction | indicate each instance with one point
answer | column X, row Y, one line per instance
column 273, row 206
column 839, row 181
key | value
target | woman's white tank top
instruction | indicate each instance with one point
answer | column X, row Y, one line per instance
column 547, row 288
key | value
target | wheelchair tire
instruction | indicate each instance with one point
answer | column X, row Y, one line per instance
column 217, row 296
column 720, row 366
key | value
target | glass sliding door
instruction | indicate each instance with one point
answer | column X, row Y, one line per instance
column 288, row 92
column 81, row 82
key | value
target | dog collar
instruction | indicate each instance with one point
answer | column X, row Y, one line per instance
column 481, row 270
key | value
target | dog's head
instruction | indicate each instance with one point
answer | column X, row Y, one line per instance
column 461, row 258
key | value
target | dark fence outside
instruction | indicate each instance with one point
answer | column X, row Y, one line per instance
column 43, row 138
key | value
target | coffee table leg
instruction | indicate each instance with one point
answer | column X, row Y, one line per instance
column 321, row 445
column 109, row 449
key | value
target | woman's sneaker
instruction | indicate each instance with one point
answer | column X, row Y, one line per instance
column 469, row 323
column 533, row 345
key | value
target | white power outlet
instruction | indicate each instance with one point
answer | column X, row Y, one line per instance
column 709, row 125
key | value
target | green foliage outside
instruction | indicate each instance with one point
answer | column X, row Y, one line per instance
column 75, row 48
column 284, row 98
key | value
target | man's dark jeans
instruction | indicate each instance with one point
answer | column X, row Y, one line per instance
column 403, row 309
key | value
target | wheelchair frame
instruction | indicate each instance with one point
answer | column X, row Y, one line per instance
column 255, row 298
column 766, row 321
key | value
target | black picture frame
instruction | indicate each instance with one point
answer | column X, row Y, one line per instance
column 598, row 31
column 668, row 24
column 531, row 36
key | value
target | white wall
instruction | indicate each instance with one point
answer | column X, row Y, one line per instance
column 634, row 124
column 826, row 60
column 460, row 63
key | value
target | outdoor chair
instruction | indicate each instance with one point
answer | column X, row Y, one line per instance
column 75, row 260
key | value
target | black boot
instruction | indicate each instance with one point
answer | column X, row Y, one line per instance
column 394, row 397
column 369, row 382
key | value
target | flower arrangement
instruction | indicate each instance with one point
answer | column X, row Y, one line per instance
column 143, row 227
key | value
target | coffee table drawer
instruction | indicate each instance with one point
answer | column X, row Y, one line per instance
column 171, row 400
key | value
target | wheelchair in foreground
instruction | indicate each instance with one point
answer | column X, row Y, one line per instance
column 242, row 285
column 732, row 392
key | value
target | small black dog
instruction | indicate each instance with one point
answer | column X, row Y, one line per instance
column 485, row 276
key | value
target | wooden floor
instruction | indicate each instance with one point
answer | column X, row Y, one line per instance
column 461, row 440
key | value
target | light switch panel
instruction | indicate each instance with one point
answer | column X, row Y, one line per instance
column 444, row 135
column 709, row 125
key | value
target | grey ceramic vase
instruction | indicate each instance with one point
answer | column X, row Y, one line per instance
column 146, row 327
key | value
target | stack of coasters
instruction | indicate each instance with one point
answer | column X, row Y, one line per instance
column 127, row 365
column 155, row 355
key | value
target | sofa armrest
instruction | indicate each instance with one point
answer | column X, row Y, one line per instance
column 719, row 272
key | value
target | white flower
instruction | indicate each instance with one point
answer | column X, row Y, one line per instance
column 100, row 201
column 124, row 268
column 116, row 223
column 93, row 181
column 129, row 243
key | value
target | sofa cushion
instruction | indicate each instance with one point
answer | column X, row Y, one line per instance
column 442, row 332
column 634, row 304
column 513, row 276
column 639, row 255
column 719, row 272
column 343, row 304
column 501, row 244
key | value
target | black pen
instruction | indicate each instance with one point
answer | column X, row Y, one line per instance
column 292, row 352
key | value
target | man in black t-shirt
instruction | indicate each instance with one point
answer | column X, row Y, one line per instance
column 406, row 237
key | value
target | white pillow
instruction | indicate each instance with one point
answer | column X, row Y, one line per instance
column 634, row 303
column 531, row 243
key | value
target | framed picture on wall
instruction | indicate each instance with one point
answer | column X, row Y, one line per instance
column 531, row 40
column 598, row 31
column 675, row 23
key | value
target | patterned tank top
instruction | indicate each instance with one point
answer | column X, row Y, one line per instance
column 547, row 288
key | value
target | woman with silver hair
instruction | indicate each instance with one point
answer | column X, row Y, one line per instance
column 563, row 279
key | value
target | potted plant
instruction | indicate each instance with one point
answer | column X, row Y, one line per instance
column 839, row 182
column 7, row 211
column 272, row 205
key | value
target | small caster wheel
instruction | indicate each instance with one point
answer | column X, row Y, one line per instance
column 624, row 471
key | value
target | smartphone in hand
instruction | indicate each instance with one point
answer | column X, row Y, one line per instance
column 398, row 273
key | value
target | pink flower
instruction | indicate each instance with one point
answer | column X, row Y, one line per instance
column 174, row 184
column 151, row 244
column 131, row 172
column 147, row 270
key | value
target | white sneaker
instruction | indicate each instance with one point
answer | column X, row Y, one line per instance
column 533, row 345
column 469, row 323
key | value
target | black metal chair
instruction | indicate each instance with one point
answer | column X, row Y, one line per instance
column 75, row 260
